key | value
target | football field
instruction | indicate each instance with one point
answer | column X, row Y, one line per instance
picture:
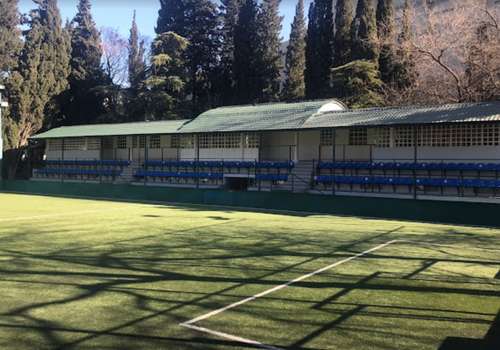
column 95, row 274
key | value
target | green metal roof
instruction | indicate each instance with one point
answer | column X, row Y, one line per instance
column 288, row 116
column 275, row 116
column 450, row 113
column 95, row 130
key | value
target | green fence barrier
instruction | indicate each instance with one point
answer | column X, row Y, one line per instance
column 466, row 213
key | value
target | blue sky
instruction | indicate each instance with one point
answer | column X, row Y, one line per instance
column 118, row 13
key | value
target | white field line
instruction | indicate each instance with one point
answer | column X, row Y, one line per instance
column 22, row 218
column 231, row 337
column 189, row 324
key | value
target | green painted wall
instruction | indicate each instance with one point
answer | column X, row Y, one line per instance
column 483, row 214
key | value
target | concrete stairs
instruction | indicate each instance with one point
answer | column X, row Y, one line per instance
column 299, row 179
column 128, row 173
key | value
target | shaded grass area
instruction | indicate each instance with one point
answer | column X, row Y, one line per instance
column 83, row 274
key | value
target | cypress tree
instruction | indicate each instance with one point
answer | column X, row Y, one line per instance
column 404, row 71
column 246, row 50
column 86, row 49
column 171, row 17
column 364, row 32
column 294, row 87
column 342, row 39
column 85, row 101
column 269, row 56
column 10, row 48
column 10, row 37
column 136, row 66
column 311, row 73
column 385, row 29
column 230, row 10
column 324, row 58
column 43, row 69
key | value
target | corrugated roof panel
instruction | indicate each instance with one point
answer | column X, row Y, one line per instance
column 276, row 116
column 451, row 113
column 139, row 128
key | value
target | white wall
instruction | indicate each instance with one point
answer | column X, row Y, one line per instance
column 472, row 154
column 308, row 145
column 278, row 145
column 229, row 154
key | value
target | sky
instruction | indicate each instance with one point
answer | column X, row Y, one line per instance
column 118, row 13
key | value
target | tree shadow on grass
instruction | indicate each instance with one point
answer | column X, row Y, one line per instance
column 152, row 266
column 491, row 341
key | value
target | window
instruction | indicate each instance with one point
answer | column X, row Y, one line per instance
column 55, row 145
column 383, row 137
column 142, row 141
column 326, row 137
column 75, row 144
column 358, row 137
column 205, row 141
column 155, row 141
column 121, row 142
column 459, row 135
column 233, row 140
column 134, row 141
column 403, row 137
column 175, row 141
column 491, row 135
column 93, row 143
column 252, row 140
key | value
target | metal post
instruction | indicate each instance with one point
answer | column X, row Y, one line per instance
column 62, row 158
column 197, row 160
column 3, row 104
column 333, row 159
column 415, row 159
column 145, row 158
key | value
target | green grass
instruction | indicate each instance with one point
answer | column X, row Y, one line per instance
column 84, row 274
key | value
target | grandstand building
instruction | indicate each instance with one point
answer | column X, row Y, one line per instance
column 446, row 152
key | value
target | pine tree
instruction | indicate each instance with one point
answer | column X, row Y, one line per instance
column 269, row 54
column 294, row 87
column 246, row 50
column 385, row 29
column 136, row 66
column 364, row 32
column 230, row 11
column 311, row 73
column 342, row 40
column 42, row 72
column 10, row 48
column 360, row 83
column 164, row 97
column 197, row 21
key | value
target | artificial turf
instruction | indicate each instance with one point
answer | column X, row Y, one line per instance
column 87, row 274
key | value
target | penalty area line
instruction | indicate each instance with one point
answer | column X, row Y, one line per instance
column 190, row 324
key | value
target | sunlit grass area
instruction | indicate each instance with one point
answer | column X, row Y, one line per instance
column 84, row 274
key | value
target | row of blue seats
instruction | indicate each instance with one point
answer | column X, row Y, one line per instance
column 407, row 181
column 117, row 163
column 204, row 175
column 179, row 175
column 68, row 171
column 410, row 166
column 219, row 164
